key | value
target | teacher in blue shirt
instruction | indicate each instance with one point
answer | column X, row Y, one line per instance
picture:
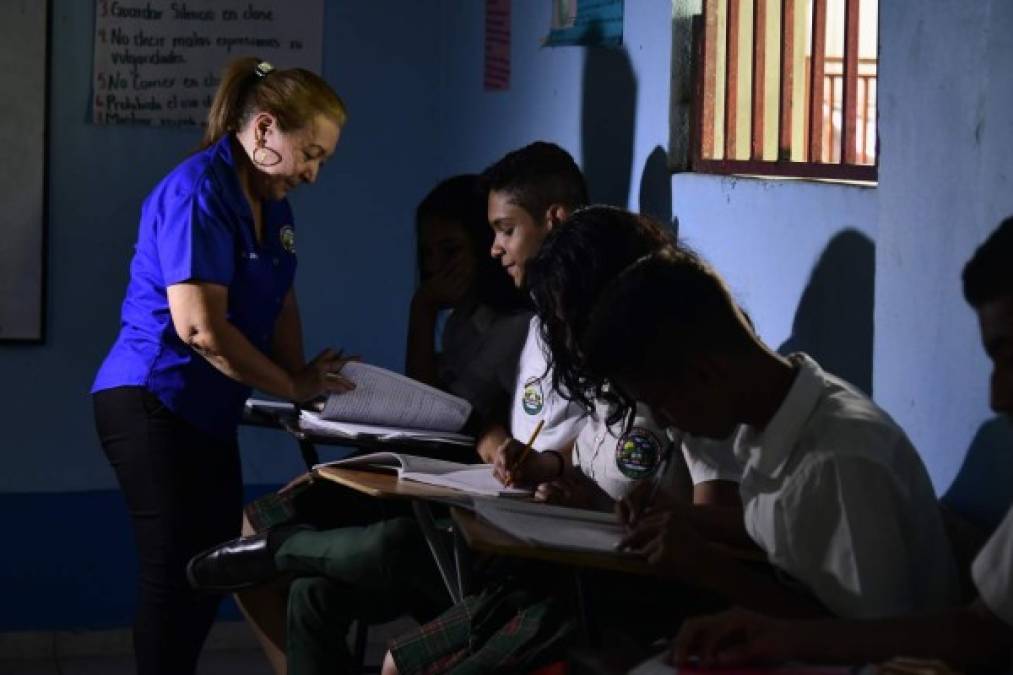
column 210, row 312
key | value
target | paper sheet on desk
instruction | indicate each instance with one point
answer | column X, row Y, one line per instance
column 311, row 421
column 554, row 526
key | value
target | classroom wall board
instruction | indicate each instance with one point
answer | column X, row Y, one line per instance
column 158, row 62
column 23, row 50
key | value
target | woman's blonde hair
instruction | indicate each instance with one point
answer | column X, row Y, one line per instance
column 294, row 96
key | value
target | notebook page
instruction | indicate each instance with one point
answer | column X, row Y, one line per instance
column 477, row 479
column 386, row 398
column 405, row 464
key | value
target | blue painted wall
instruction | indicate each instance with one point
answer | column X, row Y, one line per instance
column 865, row 279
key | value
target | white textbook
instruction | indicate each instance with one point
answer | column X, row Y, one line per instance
column 560, row 527
column 473, row 479
column 389, row 405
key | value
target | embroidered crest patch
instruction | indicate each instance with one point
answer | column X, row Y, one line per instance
column 287, row 236
column 638, row 453
column 533, row 400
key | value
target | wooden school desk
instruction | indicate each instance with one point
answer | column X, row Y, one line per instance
column 451, row 556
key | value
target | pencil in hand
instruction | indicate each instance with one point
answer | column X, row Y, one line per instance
column 527, row 448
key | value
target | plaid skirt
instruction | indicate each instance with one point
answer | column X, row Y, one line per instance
column 500, row 630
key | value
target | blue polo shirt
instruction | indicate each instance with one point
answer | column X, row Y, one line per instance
column 196, row 225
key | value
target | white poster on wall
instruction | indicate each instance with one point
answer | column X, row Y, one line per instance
column 158, row 62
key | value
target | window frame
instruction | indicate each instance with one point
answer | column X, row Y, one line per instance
column 702, row 108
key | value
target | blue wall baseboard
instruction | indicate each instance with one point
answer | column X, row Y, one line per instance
column 68, row 561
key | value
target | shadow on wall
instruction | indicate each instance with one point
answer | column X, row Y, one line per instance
column 983, row 488
column 656, row 189
column 608, row 116
column 833, row 322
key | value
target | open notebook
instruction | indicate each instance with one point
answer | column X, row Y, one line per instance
column 473, row 479
column 558, row 527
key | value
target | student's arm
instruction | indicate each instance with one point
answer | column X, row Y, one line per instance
column 965, row 637
column 716, row 512
column 718, row 493
column 837, row 528
column 420, row 356
column 573, row 489
column 199, row 316
column 490, row 440
column 674, row 548
column 287, row 347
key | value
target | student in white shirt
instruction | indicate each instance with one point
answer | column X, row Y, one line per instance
column 832, row 490
column 976, row 636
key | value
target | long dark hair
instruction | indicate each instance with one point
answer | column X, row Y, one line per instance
column 576, row 262
column 462, row 199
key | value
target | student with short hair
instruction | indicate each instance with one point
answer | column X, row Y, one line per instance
column 976, row 636
column 832, row 489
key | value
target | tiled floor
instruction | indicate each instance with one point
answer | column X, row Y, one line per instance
column 232, row 651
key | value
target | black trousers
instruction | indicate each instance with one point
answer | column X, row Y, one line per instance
column 184, row 493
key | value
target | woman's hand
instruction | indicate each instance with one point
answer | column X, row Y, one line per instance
column 322, row 376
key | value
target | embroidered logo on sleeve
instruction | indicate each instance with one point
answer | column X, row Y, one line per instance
column 532, row 401
column 638, row 453
column 287, row 236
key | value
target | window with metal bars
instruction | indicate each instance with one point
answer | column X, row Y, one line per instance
column 785, row 88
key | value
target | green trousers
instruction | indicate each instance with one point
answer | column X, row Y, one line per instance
column 375, row 573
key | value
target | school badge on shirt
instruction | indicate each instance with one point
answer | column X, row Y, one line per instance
column 638, row 453
column 533, row 400
column 287, row 236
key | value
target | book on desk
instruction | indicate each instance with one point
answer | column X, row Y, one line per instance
column 386, row 406
column 472, row 479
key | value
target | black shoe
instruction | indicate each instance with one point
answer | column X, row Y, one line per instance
column 238, row 563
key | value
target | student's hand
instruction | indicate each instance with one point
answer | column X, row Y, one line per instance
column 669, row 543
column 322, row 376
column 537, row 467
column 737, row 637
column 448, row 285
column 573, row 489
column 641, row 498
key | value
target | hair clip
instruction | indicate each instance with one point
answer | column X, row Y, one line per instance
column 263, row 69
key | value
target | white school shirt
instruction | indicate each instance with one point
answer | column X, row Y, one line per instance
column 617, row 460
column 992, row 571
column 708, row 459
column 479, row 356
column 838, row 497
column 534, row 399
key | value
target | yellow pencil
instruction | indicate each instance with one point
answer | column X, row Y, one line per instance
column 527, row 447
